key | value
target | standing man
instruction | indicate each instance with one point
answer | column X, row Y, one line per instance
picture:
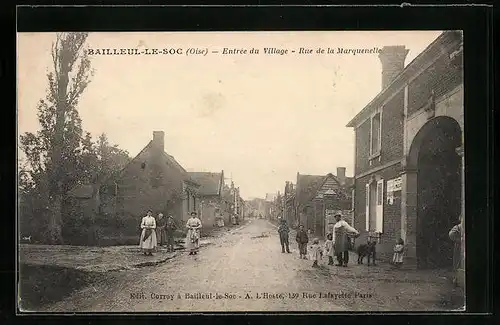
column 160, row 227
column 283, row 231
column 170, row 228
column 302, row 240
column 341, row 229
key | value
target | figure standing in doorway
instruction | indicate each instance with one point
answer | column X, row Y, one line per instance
column 397, row 259
column 455, row 235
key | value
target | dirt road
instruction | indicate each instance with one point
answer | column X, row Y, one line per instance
column 244, row 270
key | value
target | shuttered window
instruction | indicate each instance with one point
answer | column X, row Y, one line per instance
column 367, row 211
column 380, row 207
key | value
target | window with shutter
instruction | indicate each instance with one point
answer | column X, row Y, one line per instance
column 380, row 206
column 367, row 211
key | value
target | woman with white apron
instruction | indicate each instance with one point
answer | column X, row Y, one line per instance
column 193, row 235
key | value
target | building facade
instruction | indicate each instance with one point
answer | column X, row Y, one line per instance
column 319, row 198
column 409, row 180
column 210, row 192
column 270, row 206
column 289, row 203
column 153, row 180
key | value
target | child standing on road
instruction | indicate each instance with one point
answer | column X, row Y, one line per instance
column 329, row 248
column 302, row 240
column 316, row 252
column 397, row 259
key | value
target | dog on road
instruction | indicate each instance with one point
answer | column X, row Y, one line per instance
column 367, row 250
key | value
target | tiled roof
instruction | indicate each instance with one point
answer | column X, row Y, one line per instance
column 210, row 183
column 83, row 191
column 307, row 185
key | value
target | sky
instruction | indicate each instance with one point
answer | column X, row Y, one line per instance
column 261, row 118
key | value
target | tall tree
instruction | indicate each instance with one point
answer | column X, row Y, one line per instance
column 52, row 151
column 111, row 158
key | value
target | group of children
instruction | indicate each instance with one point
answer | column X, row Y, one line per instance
column 317, row 251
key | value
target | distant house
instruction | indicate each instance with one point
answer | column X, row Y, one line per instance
column 318, row 197
column 210, row 193
column 270, row 205
column 152, row 180
column 289, row 195
column 227, row 204
column 256, row 207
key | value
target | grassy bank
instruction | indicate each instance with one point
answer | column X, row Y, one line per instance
column 41, row 285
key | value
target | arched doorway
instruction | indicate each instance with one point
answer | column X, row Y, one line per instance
column 433, row 156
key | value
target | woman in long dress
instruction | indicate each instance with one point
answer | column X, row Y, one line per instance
column 341, row 232
column 148, row 235
column 193, row 235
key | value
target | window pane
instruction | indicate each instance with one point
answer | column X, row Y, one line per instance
column 375, row 133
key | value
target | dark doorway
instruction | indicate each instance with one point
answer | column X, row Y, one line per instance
column 438, row 193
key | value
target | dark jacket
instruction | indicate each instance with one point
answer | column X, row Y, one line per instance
column 170, row 226
column 302, row 237
column 283, row 229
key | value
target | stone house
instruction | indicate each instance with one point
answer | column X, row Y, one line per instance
column 257, row 207
column 409, row 177
column 152, row 180
column 319, row 197
column 228, row 202
column 271, row 211
column 210, row 195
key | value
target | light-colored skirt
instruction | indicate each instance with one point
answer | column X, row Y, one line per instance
column 149, row 243
column 397, row 258
column 220, row 222
column 315, row 254
column 190, row 245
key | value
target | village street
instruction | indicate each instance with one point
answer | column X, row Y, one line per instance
column 249, row 261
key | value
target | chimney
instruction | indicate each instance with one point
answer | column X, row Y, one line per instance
column 159, row 141
column 393, row 62
column 341, row 175
column 157, row 150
